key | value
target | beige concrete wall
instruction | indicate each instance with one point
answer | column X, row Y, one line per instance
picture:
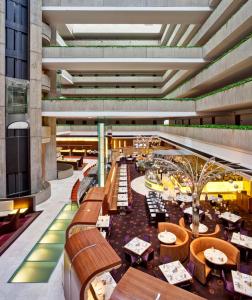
column 238, row 26
column 2, row 102
column 35, row 95
column 235, row 98
column 118, row 105
column 50, row 154
column 240, row 139
column 229, row 67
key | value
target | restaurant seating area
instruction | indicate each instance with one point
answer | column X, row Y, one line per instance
column 139, row 245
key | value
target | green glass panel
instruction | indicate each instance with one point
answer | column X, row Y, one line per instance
column 46, row 252
column 66, row 215
column 60, row 225
column 53, row 237
column 34, row 272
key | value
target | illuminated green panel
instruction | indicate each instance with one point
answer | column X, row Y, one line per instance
column 34, row 272
column 46, row 253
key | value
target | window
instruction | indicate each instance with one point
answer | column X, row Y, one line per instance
column 117, row 122
column 84, row 122
column 133, row 122
column 154, row 122
column 16, row 96
column 69, row 122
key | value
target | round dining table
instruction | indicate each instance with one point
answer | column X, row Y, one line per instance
column 202, row 228
column 167, row 237
column 215, row 256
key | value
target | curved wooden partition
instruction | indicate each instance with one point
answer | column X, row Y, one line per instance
column 95, row 194
column 85, row 218
column 87, row 254
column 109, row 188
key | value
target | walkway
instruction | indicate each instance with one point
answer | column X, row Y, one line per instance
column 13, row 257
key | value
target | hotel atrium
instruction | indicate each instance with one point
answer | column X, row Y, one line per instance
column 125, row 149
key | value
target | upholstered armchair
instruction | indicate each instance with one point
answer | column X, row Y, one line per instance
column 197, row 248
column 179, row 250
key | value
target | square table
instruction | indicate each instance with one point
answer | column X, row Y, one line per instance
column 175, row 272
column 103, row 221
column 122, row 203
column 242, row 240
column 188, row 210
column 122, row 197
column 242, row 283
column 137, row 246
column 103, row 286
column 123, row 183
column 230, row 217
column 122, row 190
column 123, row 178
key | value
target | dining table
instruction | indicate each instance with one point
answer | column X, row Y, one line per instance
column 167, row 237
column 103, row 286
column 137, row 246
column 122, row 190
column 217, row 259
column 241, row 240
column 230, row 217
column 202, row 228
column 122, row 197
column 184, row 198
column 103, row 221
column 242, row 283
column 175, row 273
column 189, row 211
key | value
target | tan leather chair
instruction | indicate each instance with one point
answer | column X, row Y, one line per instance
column 197, row 248
column 216, row 232
column 179, row 250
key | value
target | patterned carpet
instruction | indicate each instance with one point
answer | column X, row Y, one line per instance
column 136, row 224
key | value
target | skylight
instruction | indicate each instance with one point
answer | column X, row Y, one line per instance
column 118, row 28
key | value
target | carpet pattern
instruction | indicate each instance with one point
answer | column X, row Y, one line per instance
column 8, row 238
column 136, row 224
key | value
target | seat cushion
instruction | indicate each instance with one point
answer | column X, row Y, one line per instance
column 201, row 257
column 178, row 241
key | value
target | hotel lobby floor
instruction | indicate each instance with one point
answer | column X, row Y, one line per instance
column 13, row 257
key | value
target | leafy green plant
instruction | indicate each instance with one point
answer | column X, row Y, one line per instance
column 239, row 127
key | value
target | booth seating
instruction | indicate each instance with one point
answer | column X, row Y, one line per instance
column 85, row 218
column 197, row 248
column 179, row 250
column 216, row 232
column 87, row 254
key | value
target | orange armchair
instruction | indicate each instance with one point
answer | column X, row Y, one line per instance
column 216, row 232
column 178, row 251
column 197, row 248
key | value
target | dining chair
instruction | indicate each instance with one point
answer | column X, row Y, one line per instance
column 228, row 284
column 132, row 259
column 146, row 238
column 165, row 259
column 190, row 267
column 148, row 256
column 126, row 239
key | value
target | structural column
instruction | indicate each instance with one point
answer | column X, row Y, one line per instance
column 50, row 151
column 101, row 154
column 2, row 102
column 35, row 93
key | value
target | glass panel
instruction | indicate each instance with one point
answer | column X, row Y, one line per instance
column 16, row 96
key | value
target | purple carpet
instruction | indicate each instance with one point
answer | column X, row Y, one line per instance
column 136, row 224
